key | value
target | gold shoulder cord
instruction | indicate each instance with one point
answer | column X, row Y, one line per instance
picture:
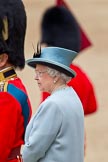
column 3, row 86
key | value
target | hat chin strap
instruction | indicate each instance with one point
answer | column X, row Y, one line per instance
column 5, row 29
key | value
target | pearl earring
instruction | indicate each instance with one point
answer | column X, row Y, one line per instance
column 54, row 81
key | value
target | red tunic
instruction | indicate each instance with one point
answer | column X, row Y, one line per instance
column 15, row 112
column 84, row 88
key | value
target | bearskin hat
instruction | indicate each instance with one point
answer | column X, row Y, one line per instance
column 12, row 31
column 59, row 28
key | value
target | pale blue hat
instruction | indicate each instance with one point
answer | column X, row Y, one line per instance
column 54, row 57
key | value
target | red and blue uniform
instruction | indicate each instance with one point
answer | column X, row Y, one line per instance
column 15, row 113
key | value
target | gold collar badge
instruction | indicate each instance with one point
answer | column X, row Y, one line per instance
column 6, row 75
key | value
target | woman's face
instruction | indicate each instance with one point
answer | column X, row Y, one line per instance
column 44, row 80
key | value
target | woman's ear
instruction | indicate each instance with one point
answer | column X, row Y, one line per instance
column 3, row 60
column 56, row 78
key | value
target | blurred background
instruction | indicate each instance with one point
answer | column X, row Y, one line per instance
column 93, row 18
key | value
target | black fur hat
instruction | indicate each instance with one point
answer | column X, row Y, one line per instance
column 12, row 31
column 59, row 28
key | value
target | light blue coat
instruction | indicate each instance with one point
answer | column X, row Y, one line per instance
column 56, row 131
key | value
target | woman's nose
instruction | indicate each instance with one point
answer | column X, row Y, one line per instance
column 36, row 77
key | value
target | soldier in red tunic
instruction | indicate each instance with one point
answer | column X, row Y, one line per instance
column 60, row 28
column 15, row 108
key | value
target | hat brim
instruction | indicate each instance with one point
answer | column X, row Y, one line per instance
column 60, row 67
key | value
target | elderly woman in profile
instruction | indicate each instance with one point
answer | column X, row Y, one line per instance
column 56, row 132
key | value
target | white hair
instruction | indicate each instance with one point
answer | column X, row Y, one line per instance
column 52, row 72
